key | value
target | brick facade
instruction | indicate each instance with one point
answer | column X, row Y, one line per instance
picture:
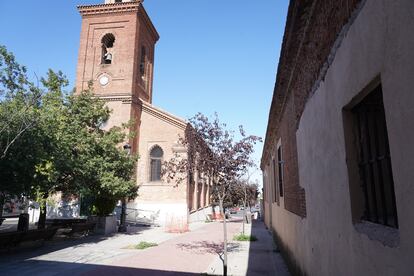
column 312, row 28
column 132, row 29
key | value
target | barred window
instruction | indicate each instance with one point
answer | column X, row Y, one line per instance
column 280, row 170
column 276, row 194
column 156, row 155
column 374, row 161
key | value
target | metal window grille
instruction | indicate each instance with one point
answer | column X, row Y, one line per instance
column 280, row 170
column 264, row 190
column 374, row 160
column 276, row 196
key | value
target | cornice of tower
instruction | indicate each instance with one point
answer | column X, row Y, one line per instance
column 123, row 7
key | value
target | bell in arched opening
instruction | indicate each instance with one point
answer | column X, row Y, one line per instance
column 107, row 41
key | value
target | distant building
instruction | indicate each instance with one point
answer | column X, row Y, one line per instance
column 337, row 169
column 116, row 53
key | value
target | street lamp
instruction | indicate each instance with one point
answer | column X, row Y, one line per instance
column 122, row 225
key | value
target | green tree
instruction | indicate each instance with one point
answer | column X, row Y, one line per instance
column 63, row 146
column 19, row 101
column 80, row 155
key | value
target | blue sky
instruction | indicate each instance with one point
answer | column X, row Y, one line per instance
column 212, row 56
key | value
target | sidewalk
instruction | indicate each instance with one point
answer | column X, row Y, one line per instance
column 197, row 252
column 74, row 256
column 252, row 258
column 189, row 254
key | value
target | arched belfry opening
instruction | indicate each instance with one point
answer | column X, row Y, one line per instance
column 107, row 42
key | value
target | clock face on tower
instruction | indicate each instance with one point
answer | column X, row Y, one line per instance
column 103, row 80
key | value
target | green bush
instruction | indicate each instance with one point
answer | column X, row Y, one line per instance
column 242, row 237
column 104, row 206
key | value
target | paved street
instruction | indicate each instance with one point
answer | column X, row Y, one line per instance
column 192, row 253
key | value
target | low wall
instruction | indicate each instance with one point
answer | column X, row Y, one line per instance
column 200, row 214
column 160, row 214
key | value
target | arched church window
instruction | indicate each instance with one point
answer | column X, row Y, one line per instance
column 107, row 41
column 143, row 61
column 156, row 155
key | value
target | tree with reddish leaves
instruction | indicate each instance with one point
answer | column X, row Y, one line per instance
column 218, row 154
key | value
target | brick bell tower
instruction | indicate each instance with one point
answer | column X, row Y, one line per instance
column 116, row 54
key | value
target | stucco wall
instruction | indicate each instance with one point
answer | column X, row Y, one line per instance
column 380, row 42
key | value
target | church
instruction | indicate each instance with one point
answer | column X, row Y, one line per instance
column 116, row 56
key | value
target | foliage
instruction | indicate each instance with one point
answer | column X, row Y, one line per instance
column 103, row 206
column 19, row 100
column 214, row 152
column 242, row 237
column 65, row 148
column 144, row 245
column 238, row 192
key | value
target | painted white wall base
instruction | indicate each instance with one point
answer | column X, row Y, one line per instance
column 161, row 214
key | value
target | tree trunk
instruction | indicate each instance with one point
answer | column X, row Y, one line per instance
column 42, row 217
column 244, row 207
column 1, row 204
column 225, row 238
column 244, row 216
